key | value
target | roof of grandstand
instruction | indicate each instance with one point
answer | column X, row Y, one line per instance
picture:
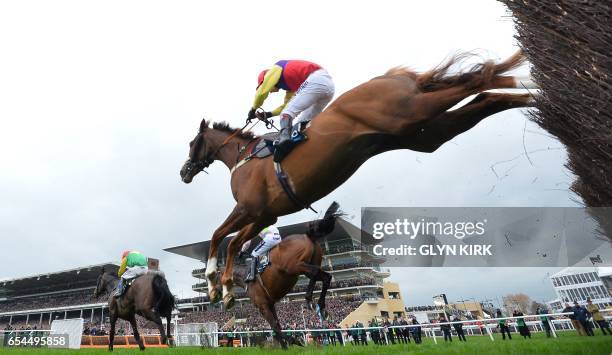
column 57, row 281
column 343, row 230
column 601, row 271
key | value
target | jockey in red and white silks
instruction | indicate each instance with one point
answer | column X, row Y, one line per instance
column 309, row 88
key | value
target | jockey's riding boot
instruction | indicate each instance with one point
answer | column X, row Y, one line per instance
column 283, row 146
column 251, row 270
column 119, row 288
column 242, row 254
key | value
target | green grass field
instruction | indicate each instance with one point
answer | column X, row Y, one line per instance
column 567, row 343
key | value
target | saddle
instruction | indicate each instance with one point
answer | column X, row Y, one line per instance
column 265, row 146
column 120, row 290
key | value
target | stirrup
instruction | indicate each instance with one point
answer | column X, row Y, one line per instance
column 282, row 149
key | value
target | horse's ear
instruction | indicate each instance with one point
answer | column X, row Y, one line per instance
column 203, row 125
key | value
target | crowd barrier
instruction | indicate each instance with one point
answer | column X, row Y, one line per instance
column 429, row 330
column 121, row 341
column 91, row 341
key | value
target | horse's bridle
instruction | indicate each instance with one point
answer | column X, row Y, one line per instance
column 200, row 165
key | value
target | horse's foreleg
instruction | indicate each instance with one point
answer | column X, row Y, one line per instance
column 136, row 334
column 269, row 313
column 236, row 220
column 434, row 133
column 247, row 233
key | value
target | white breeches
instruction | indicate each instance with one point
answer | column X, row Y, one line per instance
column 270, row 237
column 311, row 98
column 134, row 271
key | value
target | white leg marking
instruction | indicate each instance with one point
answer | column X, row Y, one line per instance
column 225, row 290
column 211, row 269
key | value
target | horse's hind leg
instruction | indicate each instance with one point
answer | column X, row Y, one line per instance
column 234, row 222
column 429, row 105
column 326, row 280
column 315, row 273
column 155, row 318
column 111, row 333
column 136, row 333
column 308, row 295
column 168, row 334
column 434, row 133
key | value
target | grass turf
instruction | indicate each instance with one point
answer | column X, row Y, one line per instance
column 567, row 343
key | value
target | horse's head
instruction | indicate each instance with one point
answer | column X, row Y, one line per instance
column 99, row 284
column 103, row 283
column 201, row 155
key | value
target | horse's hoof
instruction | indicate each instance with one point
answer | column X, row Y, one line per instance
column 229, row 301
column 215, row 295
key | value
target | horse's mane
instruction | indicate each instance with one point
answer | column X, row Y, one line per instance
column 225, row 127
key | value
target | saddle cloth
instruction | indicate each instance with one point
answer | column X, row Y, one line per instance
column 263, row 262
column 265, row 145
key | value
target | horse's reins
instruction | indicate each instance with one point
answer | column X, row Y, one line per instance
column 280, row 174
column 258, row 277
column 269, row 125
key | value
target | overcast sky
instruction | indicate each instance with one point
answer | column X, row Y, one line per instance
column 98, row 101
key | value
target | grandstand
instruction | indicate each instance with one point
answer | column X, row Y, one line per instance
column 358, row 290
column 579, row 283
column 33, row 302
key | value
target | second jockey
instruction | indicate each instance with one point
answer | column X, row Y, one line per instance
column 133, row 264
column 270, row 237
column 309, row 88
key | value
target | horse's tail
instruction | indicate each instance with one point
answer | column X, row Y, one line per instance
column 480, row 74
column 165, row 300
column 322, row 227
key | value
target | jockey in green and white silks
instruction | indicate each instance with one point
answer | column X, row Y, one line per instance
column 270, row 237
column 133, row 264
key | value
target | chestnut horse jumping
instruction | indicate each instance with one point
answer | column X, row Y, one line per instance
column 399, row 110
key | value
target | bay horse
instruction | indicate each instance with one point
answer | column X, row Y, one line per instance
column 295, row 255
column 401, row 109
column 147, row 296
